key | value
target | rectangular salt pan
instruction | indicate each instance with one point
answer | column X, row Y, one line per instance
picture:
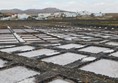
column 29, row 80
column 115, row 54
column 64, row 59
column 112, row 43
column 15, row 74
column 88, row 59
column 11, row 42
column 86, row 37
column 20, row 48
column 32, row 39
column 104, row 67
column 46, row 52
column 2, row 63
column 5, row 46
column 18, row 37
column 94, row 49
column 4, row 31
column 8, row 40
column 69, row 46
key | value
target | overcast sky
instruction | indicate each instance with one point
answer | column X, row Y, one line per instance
column 71, row 5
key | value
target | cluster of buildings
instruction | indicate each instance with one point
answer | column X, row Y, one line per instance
column 45, row 16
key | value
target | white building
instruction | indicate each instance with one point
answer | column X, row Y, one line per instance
column 58, row 14
column 98, row 14
column 65, row 14
column 70, row 14
column 22, row 16
column 6, row 18
column 84, row 13
column 42, row 16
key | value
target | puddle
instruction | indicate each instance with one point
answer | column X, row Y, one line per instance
column 69, row 46
column 2, row 63
column 112, row 43
column 29, row 80
column 15, row 74
column 94, row 49
column 46, row 52
column 20, row 48
column 104, row 67
column 64, row 59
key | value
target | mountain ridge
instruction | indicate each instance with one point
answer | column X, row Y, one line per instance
column 32, row 11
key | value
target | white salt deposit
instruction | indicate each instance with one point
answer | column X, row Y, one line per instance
column 69, row 46
column 64, row 59
column 86, row 37
column 104, row 67
column 115, row 54
column 3, row 46
column 50, row 38
column 106, row 36
column 70, row 38
column 59, row 81
column 15, row 74
column 2, row 63
column 88, row 59
column 46, row 52
column 94, row 49
column 32, row 39
column 19, row 30
column 112, row 43
column 20, row 48
column 29, row 80
column 7, row 39
column 108, row 51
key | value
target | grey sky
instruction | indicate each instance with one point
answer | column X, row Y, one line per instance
column 71, row 5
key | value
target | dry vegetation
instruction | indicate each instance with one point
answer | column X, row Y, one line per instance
column 74, row 22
